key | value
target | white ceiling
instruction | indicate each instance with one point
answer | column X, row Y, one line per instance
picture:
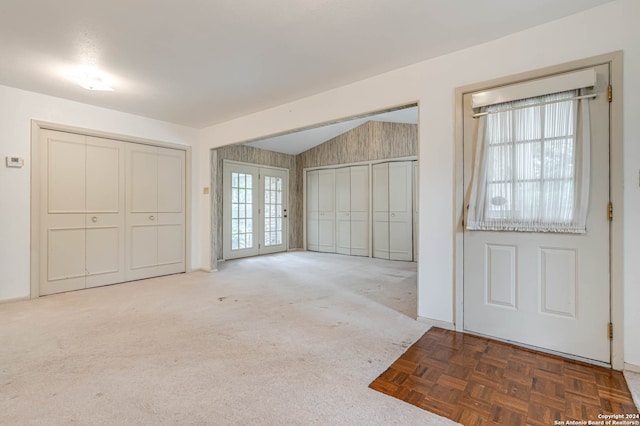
column 200, row 62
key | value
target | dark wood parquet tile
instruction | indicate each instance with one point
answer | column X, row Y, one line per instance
column 478, row 381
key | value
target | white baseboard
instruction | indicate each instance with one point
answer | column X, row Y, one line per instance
column 437, row 323
column 631, row 367
column 17, row 299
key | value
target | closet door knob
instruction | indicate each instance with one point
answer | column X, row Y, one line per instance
column 94, row 219
column 152, row 218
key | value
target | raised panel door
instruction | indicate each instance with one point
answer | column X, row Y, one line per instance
column 326, row 206
column 343, row 210
column 400, row 211
column 380, row 173
column 105, row 218
column 359, row 203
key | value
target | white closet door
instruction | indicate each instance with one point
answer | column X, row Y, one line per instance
column 142, row 211
column 104, row 219
column 359, row 203
column 393, row 210
column 171, row 211
column 400, row 211
column 155, row 211
column 380, row 210
column 326, row 205
column 343, row 210
column 82, row 189
column 313, row 211
column 62, row 260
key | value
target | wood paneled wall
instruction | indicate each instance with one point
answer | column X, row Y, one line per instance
column 373, row 140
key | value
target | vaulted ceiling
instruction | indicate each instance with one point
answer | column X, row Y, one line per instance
column 201, row 62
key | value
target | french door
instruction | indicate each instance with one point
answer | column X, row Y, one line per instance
column 255, row 204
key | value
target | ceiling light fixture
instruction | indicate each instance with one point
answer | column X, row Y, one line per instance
column 91, row 78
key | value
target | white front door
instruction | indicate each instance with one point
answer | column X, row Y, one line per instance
column 255, row 203
column 548, row 290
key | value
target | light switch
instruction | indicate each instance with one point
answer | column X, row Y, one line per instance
column 205, row 190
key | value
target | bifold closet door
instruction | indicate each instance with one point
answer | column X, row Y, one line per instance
column 352, row 210
column 380, row 191
column 105, row 216
column 313, row 210
column 82, row 220
column 321, row 211
column 343, row 210
column 360, row 211
column 393, row 210
column 155, row 211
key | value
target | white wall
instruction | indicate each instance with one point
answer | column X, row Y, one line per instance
column 611, row 27
column 17, row 109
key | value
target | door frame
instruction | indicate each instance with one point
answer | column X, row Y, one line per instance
column 36, row 209
column 615, row 62
column 285, row 235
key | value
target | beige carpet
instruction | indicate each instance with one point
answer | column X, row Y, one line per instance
column 288, row 339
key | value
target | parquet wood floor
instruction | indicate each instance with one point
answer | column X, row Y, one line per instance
column 478, row 381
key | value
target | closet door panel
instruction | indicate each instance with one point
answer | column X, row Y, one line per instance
column 381, row 210
column 401, row 211
column 105, row 212
column 104, row 176
column 170, row 183
column 104, row 250
column 359, row 203
column 343, row 210
column 66, row 256
column 62, row 233
column 142, row 178
column 326, row 205
column 171, row 247
column 141, row 259
column 143, row 253
column 171, row 217
column 313, row 212
column 66, row 160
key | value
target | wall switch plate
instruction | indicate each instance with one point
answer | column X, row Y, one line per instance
column 205, row 190
column 15, row 162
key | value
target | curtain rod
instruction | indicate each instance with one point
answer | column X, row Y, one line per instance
column 575, row 98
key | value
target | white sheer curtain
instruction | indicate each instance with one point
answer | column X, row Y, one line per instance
column 531, row 167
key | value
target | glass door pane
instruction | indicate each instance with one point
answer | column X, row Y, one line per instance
column 273, row 210
column 241, row 211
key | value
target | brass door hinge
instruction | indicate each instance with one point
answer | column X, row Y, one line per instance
column 610, row 211
column 610, row 93
column 610, row 331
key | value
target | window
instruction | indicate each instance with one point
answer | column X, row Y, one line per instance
column 531, row 169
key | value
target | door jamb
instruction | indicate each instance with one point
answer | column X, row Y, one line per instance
column 615, row 62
